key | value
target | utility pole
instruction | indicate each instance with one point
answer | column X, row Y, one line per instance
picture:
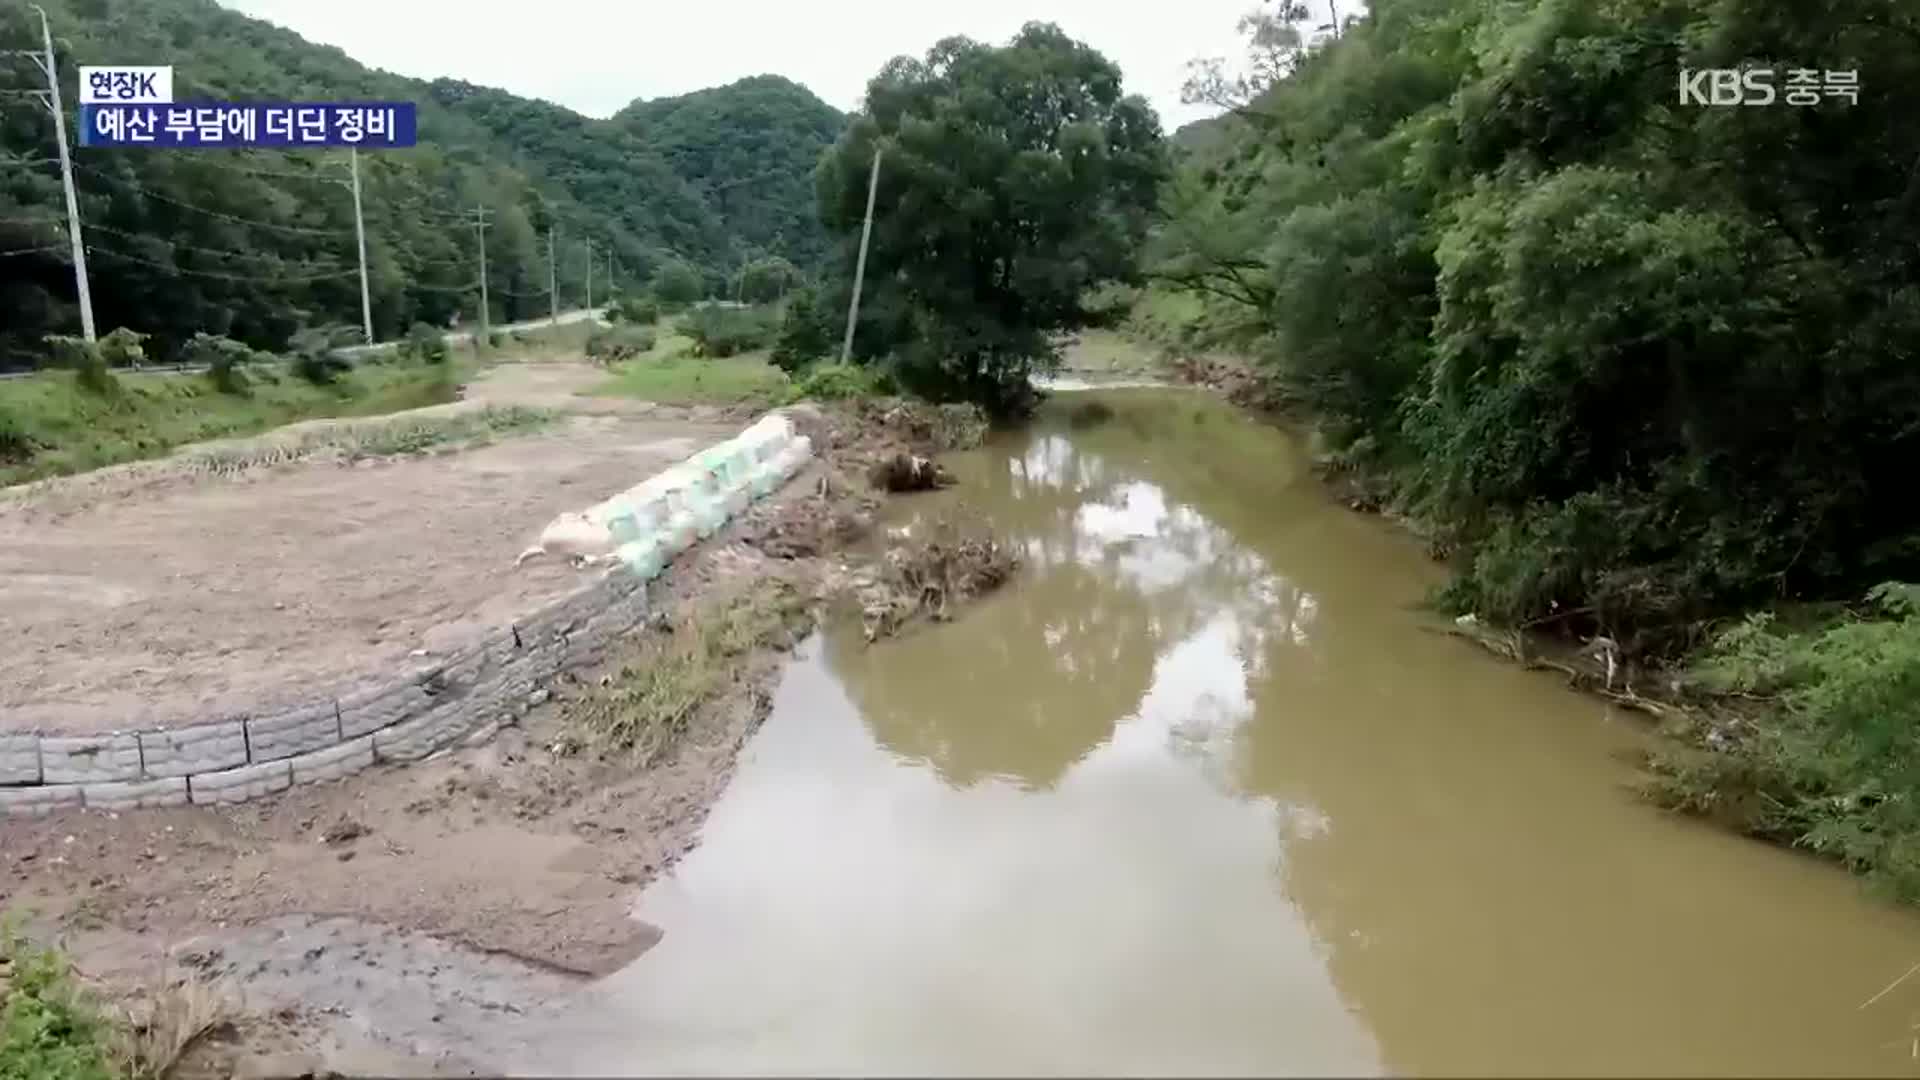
column 860, row 264
column 480, row 230
column 611, row 287
column 52, row 102
column 553, row 279
column 589, row 275
column 360, row 235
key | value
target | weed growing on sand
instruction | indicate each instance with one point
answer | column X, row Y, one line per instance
column 48, row 1030
column 51, row 1028
column 393, row 438
column 669, row 676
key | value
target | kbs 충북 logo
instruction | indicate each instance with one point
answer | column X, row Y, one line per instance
column 1762, row 86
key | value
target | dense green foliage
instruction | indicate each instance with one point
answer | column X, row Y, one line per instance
column 255, row 245
column 1833, row 766
column 1014, row 178
column 749, row 148
column 729, row 331
column 635, row 308
column 47, row 1031
column 840, row 382
column 675, row 285
column 804, row 335
column 763, row 281
column 1639, row 361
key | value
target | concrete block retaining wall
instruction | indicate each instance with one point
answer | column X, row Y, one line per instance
column 409, row 715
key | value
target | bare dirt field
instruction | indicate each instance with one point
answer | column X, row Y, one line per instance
column 423, row 920
column 150, row 595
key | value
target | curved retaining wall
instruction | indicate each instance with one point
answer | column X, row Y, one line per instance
column 414, row 713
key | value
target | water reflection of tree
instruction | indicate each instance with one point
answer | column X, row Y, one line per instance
column 1119, row 571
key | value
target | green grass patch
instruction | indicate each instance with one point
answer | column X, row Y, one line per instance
column 667, row 679
column 681, row 379
column 50, row 426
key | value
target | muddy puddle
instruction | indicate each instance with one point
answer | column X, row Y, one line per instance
column 1204, row 793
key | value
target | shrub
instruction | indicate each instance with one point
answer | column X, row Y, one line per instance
column 47, row 1031
column 223, row 357
column 1831, row 765
column 640, row 309
column 1109, row 304
column 615, row 344
column 719, row 331
column 316, row 353
column 676, row 285
column 16, row 446
column 804, row 336
column 122, row 348
column 425, row 345
column 85, row 360
column 836, row 382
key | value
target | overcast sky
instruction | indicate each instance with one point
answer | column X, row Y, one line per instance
column 597, row 55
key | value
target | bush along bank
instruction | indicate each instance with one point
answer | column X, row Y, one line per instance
column 1641, row 370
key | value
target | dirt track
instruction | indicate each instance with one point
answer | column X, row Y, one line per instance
column 150, row 597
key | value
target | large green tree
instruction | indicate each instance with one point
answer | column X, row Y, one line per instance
column 1013, row 178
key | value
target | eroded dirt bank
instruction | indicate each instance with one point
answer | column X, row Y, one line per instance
column 407, row 919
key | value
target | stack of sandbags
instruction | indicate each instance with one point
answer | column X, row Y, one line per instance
column 647, row 525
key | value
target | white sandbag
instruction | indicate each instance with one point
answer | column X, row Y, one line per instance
column 643, row 557
column 573, row 536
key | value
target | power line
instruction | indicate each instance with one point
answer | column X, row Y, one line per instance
column 180, row 246
column 236, row 219
column 30, row 250
column 252, row 278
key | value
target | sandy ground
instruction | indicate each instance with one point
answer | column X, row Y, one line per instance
column 146, row 598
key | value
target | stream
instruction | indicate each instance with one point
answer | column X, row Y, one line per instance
column 1203, row 792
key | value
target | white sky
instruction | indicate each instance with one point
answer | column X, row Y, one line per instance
column 596, row 55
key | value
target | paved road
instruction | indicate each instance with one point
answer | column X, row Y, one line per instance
column 456, row 338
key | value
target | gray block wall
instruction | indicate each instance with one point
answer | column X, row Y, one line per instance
column 404, row 716
column 398, row 716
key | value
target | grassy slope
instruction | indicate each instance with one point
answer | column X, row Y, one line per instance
column 68, row 430
column 670, row 374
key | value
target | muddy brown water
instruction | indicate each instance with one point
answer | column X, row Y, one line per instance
column 1203, row 793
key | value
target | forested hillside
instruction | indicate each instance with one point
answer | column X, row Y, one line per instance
column 257, row 244
column 1639, row 361
column 750, row 147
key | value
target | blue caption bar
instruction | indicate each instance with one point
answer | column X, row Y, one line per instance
column 210, row 124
